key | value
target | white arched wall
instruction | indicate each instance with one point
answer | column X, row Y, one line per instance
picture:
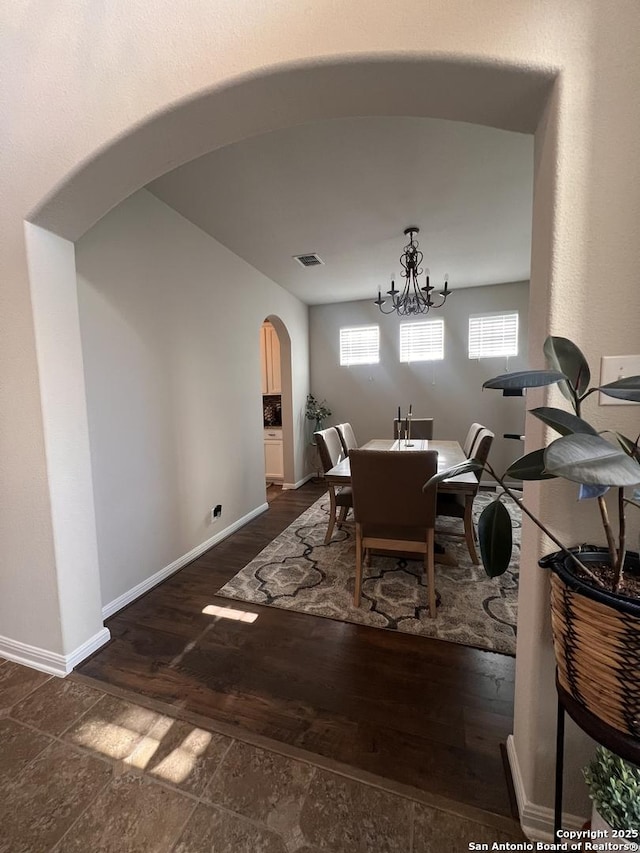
column 217, row 72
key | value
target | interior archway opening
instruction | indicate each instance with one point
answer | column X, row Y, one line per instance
column 91, row 191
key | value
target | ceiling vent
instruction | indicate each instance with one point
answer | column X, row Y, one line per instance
column 308, row 260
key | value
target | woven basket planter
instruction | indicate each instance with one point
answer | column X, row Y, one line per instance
column 596, row 638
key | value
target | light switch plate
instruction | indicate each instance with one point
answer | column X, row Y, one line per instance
column 614, row 367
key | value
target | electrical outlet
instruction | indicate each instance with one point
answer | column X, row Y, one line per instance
column 614, row 367
column 216, row 512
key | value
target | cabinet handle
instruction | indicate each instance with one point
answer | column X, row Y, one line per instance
column 272, row 434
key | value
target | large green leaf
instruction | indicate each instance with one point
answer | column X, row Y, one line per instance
column 495, row 537
column 562, row 354
column 524, row 379
column 462, row 468
column 623, row 389
column 529, row 467
column 591, row 459
column 629, row 446
column 562, row 421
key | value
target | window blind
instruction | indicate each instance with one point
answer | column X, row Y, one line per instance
column 493, row 335
column 360, row 345
column 422, row 341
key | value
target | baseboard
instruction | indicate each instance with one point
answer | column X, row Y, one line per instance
column 299, row 483
column 51, row 662
column 147, row 584
column 536, row 821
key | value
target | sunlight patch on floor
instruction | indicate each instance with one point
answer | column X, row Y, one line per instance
column 178, row 765
column 230, row 613
column 110, row 739
column 149, row 744
column 154, row 751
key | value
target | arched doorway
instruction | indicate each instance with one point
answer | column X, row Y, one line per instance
column 448, row 89
column 277, row 398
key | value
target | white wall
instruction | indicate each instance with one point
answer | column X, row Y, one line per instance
column 170, row 324
column 53, row 291
column 87, row 120
column 450, row 391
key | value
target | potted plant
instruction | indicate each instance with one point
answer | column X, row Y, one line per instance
column 595, row 591
column 614, row 787
column 316, row 411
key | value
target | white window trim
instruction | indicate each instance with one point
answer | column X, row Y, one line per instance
column 501, row 352
column 431, row 355
column 370, row 349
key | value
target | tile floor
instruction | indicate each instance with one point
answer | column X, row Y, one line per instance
column 82, row 770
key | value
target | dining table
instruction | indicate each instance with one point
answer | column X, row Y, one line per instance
column 450, row 453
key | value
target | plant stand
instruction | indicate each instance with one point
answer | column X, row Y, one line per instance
column 317, row 463
column 618, row 742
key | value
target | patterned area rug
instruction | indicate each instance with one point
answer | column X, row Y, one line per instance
column 297, row 571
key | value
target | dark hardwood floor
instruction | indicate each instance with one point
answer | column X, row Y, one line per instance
column 418, row 711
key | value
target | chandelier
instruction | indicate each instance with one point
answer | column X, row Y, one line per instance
column 413, row 299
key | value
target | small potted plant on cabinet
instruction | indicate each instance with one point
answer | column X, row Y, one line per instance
column 614, row 787
column 595, row 591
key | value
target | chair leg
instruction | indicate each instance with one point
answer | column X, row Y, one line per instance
column 431, row 573
column 469, row 532
column 332, row 515
column 358, row 586
column 342, row 515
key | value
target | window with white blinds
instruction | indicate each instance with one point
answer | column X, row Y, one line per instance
column 422, row 341
column 492, row 335
column 359, row 345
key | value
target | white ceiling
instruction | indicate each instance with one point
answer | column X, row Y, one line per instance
column 346, row 189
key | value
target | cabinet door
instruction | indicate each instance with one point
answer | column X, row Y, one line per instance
column 274, row 381
column 273, row 460
column 264, row 358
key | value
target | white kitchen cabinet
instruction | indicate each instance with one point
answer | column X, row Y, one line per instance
column 273, row 455
column 270, row 357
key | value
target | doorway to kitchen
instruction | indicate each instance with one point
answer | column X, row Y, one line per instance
column 275, row 366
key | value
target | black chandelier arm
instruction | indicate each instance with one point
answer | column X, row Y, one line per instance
column 413, row 309
column 396, row 300
column 445, row 295
column 381, row 309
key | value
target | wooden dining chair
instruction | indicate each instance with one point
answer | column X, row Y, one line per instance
column 347, row 437
column 469, row 441
column 331, row 452
column 460, row 505
column 420, row 428
column 391, row 511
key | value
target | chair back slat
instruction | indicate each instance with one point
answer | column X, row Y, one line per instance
column 387, row 487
